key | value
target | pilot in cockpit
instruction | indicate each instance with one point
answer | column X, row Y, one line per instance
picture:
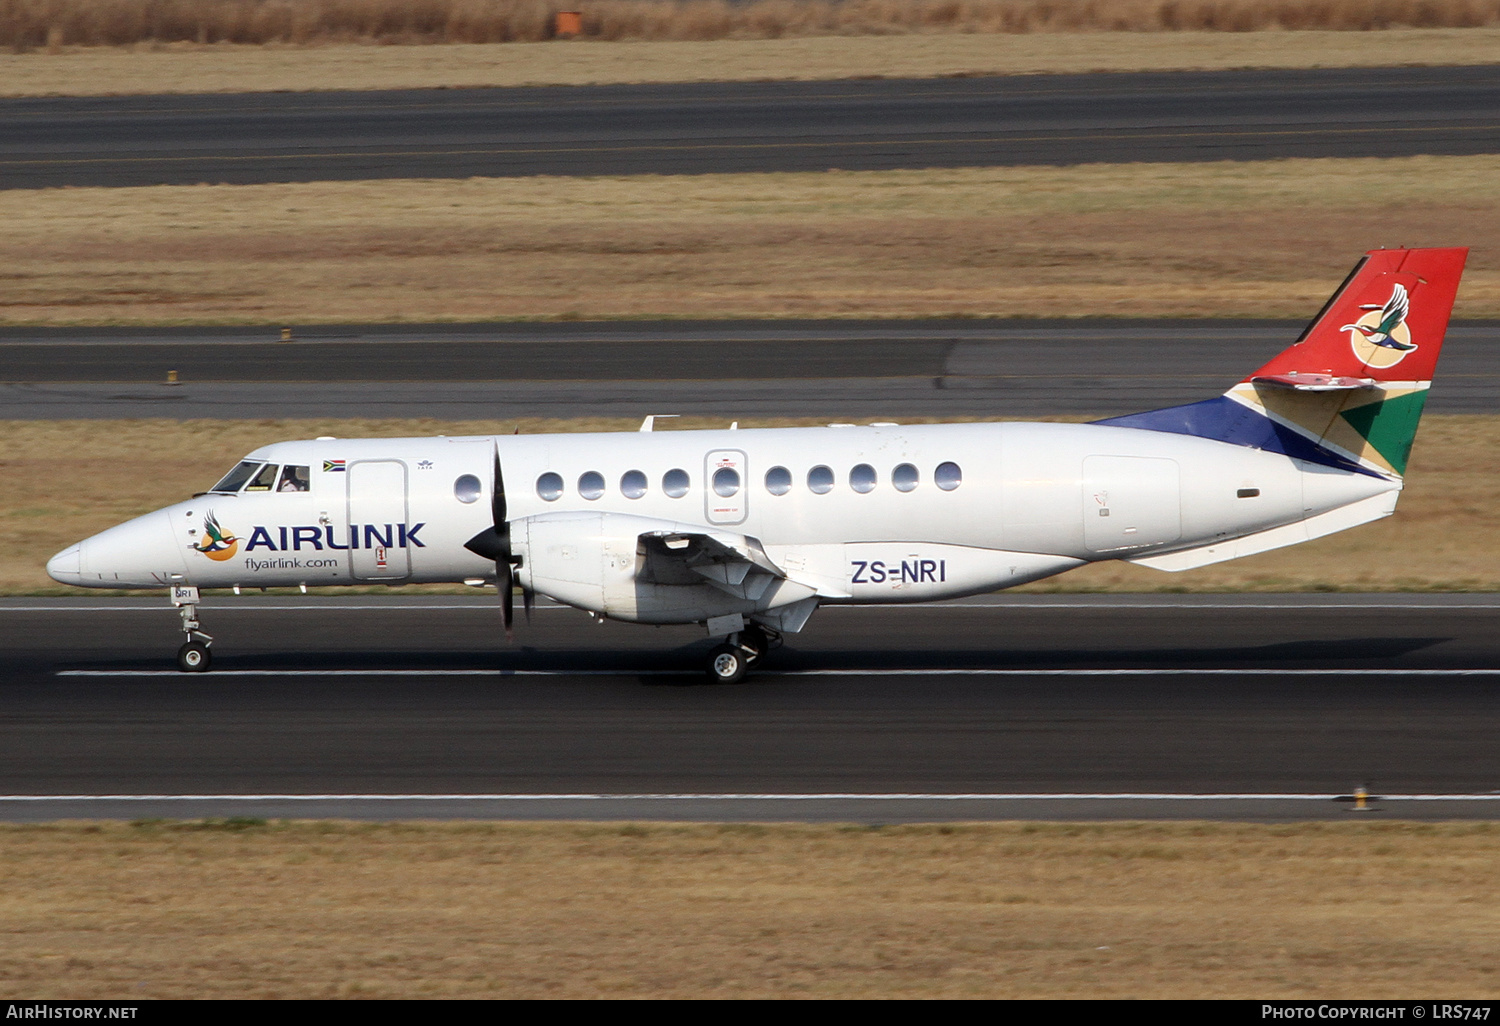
column 294, row 479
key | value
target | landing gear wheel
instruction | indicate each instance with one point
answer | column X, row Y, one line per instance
column 727, row 664
column 194, row 657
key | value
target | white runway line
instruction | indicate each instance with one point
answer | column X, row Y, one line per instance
column 1106, row 605
column 388, row 673
column 1133, row 796
column 1132, row 672
column 310, row 607
column 1139, row 672
column 1092, row 604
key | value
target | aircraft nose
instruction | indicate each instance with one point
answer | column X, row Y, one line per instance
column 139, row 553
column 67, row 566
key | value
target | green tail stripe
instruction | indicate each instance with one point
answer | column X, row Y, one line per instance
column 1390, row 426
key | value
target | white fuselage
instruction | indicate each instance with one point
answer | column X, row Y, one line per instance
column 1030, row 500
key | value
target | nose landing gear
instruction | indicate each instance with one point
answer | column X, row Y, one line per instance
column 728, row 663
column 193, row 656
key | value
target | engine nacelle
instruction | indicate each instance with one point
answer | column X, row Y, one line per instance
column 646, row 570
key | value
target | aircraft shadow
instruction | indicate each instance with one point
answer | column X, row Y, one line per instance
column 1353, row 653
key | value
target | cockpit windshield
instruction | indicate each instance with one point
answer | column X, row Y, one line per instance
column 236, row 478
column 263, row 481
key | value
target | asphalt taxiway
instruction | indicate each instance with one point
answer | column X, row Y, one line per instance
column 734, row 369
column 748, row 126
column 1030, row 706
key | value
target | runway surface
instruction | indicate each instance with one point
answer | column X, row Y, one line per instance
column 734, row 127
column 833, row 369
column 1233, row 706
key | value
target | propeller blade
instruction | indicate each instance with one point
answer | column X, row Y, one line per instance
column 504, row 573
column 505, row 581
column 497, row 503
column 494, row 543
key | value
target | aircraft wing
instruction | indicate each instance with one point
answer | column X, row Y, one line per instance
column 733, row 563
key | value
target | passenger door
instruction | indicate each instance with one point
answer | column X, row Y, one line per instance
column 377, row 521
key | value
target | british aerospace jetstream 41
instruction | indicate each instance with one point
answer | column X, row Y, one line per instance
column 748, row 532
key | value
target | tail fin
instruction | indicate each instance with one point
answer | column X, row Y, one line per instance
column 1349, row 392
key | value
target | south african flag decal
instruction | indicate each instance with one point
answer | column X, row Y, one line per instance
column 333, row 466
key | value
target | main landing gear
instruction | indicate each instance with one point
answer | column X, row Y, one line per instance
column 193, row 656
column 728, row 663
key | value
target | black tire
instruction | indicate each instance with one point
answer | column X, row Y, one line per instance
column 194, row 657
column 727, row 665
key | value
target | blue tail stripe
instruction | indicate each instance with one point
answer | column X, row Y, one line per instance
column 1224, row 420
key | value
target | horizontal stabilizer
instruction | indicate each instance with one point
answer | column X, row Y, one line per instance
column 1361, row 512
column 1302, row 381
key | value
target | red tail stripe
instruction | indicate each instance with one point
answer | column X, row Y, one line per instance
column 1336, row 347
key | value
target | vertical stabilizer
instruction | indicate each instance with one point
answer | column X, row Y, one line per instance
column 1350, row 391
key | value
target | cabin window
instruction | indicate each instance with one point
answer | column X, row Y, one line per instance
column 294, row 479
column 1247, row 493
column 591, row 485
column 675, row 483
column 466, row 488
column 948, row 476
column 549, row 486
column 778, row 480
column 726, row 482
column 633, row 484
column 905, row 478
column 236, row 478
column 862, row 478
column 820, row 480
column 263, row 481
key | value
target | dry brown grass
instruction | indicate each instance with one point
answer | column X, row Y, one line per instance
column 189, row 68
column 29, row 24
column 1226, row 239
column 316, row 910
column 1441, row 538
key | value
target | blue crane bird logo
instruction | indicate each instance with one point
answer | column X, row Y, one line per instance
column 1381, row 338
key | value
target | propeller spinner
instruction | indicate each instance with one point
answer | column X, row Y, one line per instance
column 494, row 543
